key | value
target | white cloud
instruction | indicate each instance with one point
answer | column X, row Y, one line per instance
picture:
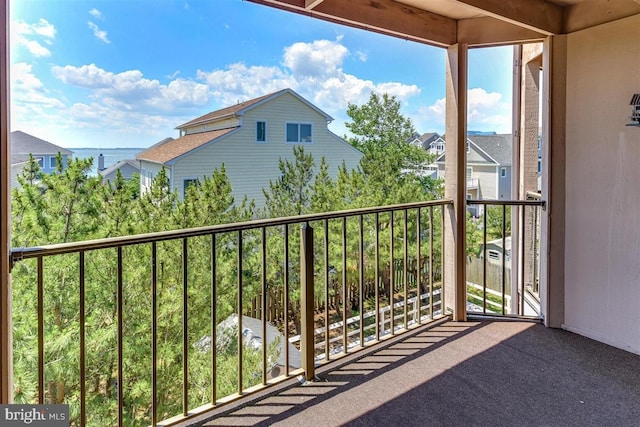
column 486, row 111
column 320, row 58
column 131, row 91
column 31, row 36
column 95, row 13
column 98, row 33
column 314, row 70
column 128, row 102
column 362, row 56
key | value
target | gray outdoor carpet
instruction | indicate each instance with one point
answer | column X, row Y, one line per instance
column 479, row 373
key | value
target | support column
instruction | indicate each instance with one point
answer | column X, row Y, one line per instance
column 529, row 133
column 553, row 178
column 6, row 353
column 456, row 181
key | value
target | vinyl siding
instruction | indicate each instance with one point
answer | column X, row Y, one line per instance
column 487, row 180
column 148, row 171
column 221, row 124
column 504, row 184
column 250, row 166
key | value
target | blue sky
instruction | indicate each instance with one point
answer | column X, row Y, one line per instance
column 118, row 73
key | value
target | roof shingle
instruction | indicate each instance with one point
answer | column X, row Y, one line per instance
column 170, row 150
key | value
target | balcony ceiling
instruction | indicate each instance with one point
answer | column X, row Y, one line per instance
column 475, row 22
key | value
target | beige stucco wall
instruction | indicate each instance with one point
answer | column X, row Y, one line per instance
column 602, row 247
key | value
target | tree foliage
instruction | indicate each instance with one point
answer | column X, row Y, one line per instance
column 71, row 205
column 392, row 164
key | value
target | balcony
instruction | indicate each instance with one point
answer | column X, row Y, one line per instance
column 448, row 373
column 184, row 333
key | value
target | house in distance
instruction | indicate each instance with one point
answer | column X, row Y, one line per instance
column 44, row 153
column 248, row 139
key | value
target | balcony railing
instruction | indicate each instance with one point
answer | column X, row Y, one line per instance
column 495, row 284
column 164, row 326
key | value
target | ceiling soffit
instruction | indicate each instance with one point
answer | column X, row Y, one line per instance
column 474, row 22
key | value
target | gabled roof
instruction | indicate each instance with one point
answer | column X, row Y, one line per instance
column 170, row 149
column 121, row 163
column 240, row 108
column 496, row 148
column 25, row 144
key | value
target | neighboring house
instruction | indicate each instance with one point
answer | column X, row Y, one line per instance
column 488, row 166
column 44, row 152
column 127, row 167
column 495, row 251
column 249, row 139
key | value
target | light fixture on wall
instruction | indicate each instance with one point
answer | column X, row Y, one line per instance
column 635, row 110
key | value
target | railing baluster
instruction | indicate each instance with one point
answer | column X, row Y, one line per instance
column 265, row 342
column 154, row 333
column 484, row 261
column 377, row 275
column 327, row 347
column 405, row 271
column 442, row 258
column 239, row 309
column 418, row 265
column 361, row 290
column 286, row 299
column 120, row 337
column 83, row 378
column 185, row 327
column 214, row 321
column 431, row 253
column 40, row 330
column 504, row 251
column 344, row 286
column 522, row 252
column 392, row 274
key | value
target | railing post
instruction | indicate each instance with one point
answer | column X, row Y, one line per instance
column 306, row 303
column 6, row 344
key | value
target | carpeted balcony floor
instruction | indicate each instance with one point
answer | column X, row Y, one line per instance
column 478, row 373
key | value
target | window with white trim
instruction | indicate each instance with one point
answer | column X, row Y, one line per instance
column 299, row 132
column 53, row 162
column 39, row 161
column 503, row 172
column 261, row 131
column 188, row 182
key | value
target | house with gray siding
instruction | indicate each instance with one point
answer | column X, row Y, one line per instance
column 127, row 167
column 488, row 166
column 43, row 152
column 249, row 139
